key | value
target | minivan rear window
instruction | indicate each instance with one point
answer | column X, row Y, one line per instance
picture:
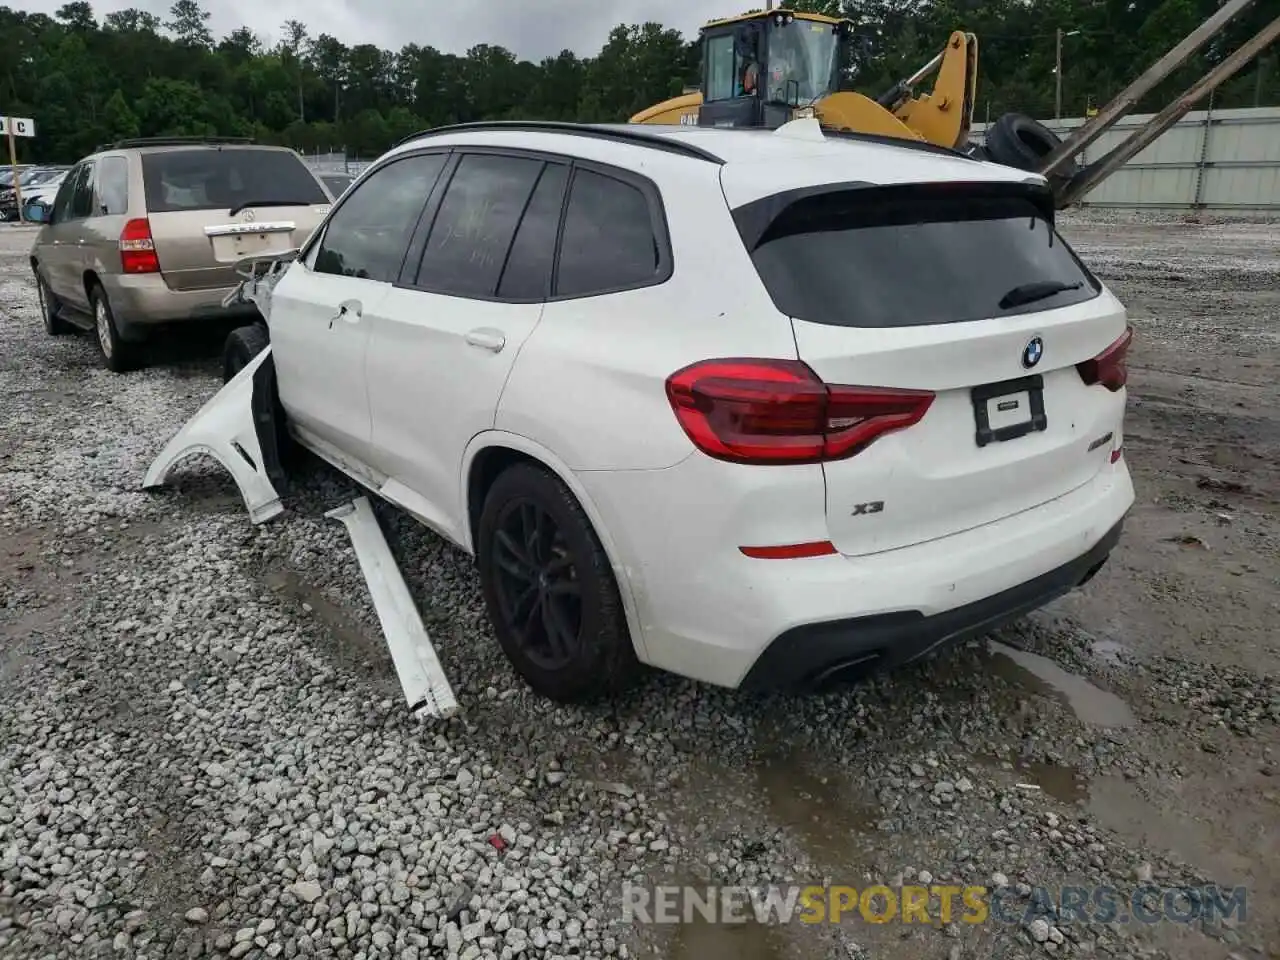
column 222, row 178
column 911, row 256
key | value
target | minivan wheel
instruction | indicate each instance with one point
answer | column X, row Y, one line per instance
column 549, row 589
column 243, row 344
column 118, row 355
column 54, row 325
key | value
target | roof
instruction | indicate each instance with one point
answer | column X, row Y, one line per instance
column 753, row 162
column 761, row 14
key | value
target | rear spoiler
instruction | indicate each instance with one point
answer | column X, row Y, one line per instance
column 754, row 219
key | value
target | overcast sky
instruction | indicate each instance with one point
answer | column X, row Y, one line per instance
column 531, row 28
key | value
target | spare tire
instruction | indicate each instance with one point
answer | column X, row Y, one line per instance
column 1017, row 140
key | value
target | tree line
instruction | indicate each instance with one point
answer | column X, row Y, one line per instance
column 88, row 81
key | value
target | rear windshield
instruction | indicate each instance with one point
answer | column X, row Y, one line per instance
column 900, row 257
column 225, row 177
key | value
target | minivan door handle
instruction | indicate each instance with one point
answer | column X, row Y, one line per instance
column 487, row 338
column 349, row 310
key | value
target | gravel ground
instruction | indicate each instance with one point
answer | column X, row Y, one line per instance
column 203, row 751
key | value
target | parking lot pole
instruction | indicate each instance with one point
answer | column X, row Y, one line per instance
column 13, row 165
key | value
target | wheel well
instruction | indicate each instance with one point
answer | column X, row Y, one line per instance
column 90, row 281
column 487, row 466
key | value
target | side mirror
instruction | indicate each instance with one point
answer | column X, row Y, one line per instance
column 37, row 211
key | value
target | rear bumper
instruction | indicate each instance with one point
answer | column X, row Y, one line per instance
column 706, row 611
column 145, row 300
column 809, row 655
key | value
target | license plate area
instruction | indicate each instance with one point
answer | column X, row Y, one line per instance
column 1009, row 409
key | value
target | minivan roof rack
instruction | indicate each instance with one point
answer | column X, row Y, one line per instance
column 175, row 141
column 618, row 134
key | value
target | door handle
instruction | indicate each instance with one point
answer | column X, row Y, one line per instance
column 349, row 310
column 487, row 338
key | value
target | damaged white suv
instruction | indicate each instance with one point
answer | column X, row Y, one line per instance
column 759, row 408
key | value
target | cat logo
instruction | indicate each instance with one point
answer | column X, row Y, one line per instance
column 688, row 119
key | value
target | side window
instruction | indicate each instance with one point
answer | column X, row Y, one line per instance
column 113, row 187
column 476, row 224
column 527, row 275
column 367, row 236
column 608, row 240
column 720, row 73
column 82, row 194
column 62, row 202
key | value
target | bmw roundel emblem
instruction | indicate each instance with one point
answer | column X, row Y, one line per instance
column 1032, row 352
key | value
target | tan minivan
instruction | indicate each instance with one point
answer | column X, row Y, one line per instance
column 148, row 233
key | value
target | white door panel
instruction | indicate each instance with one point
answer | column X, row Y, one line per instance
column 319, row 335
column 441, row 366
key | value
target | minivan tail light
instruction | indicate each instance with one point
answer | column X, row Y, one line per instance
column 1109, row 368
column 137, row 249
column 779, row 411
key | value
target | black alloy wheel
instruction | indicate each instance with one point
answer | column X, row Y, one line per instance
column 537, row 583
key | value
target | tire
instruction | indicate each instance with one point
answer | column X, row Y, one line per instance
column 243, row 344
column 1017, row 140
column 54, row 325
column 598, row 659
column 118, row 355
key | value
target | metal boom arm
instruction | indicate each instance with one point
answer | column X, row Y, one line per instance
column 1097, row 171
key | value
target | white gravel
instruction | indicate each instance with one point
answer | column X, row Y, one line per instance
column 203, row 750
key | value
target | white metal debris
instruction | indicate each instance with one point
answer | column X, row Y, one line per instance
column 224, row 429
column 426, row 688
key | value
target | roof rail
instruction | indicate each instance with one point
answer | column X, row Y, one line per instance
column 619, row 134
column 891, row 141
column 175, row 141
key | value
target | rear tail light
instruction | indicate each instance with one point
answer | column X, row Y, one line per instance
column 137, row 249
column 779, row 411
column 1109, row 368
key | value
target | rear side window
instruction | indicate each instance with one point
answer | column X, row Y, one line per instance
column 901, row 257
column 608, row 241
column 221, row 178
column 368, row 235
column 113, row 186
column 476, row 224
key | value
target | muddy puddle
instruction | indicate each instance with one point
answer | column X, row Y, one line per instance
column 701, row 940
column 822, row 810
column 343, row 637
column 1091, row 704
column 1121, row 806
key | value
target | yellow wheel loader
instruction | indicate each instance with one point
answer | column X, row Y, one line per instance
column 765, row 68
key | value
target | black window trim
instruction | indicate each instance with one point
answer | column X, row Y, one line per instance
column 649, row 189
column 317, row 238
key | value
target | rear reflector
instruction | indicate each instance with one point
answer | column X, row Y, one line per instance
column 779, row 411
column 1108, row 368
column 791, row 551
column 137, row 249
column 1117, row 453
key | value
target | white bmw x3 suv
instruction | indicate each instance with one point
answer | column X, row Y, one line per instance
column 759, row 408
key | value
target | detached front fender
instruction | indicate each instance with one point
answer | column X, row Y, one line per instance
column 226, row 429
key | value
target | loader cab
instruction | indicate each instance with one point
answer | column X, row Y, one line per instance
column 759, row 69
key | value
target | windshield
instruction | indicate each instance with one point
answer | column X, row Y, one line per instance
column 36, row 176
column 803, row 59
